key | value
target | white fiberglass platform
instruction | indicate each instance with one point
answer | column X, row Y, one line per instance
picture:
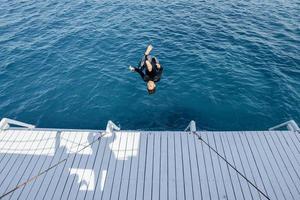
column 148, row 165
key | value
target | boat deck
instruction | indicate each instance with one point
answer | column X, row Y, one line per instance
column 148, row 165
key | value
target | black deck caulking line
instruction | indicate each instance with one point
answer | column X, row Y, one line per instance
column 38, row 175
column 32, row 169
column 219, row 163
column 291, row 163
column 297, row 135
column 130, row 166
column 292, row 152
column 262, row 180
column 152, row 168
column 198, row 169
column 28, row 164
column 284, row 164
column 8, row 140
column 66, row 181
column 182, row 166
column 93, row 165
column 123, row 162
column 267, row 157
column 263, row 164
column 10, row 156
column 213, row 167
column 293, row 142
column 228, row 163
column 241, row 163
column 109, row 159
column 138, row 164
column 175, row 166
column 232, row 186
column 189, row 155
column 12, row 142
column 60, row 155
column 167, row 152
column 85, row 166
column 21, row 163
column 246, row 155
column 101, row 164
column 116, row 163
column 205, row 167
column 234, row 164
column 32, row 185
column 160, row 168
column 270, row 150
column 145, row 167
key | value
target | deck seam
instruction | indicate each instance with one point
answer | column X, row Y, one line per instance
column 95, row 159
column 46, row 175
column 264, row 167
column 284, row 163
column 190, row 165
column 241, row 163
column 247, row 158
column 278, row 166
column 130, row 166
column 209, row 156
column 230, row 176
column 114, row 173
column 67, row 176
column 30, row 175
column 219, row 163
column 21, row 163
column 145, row 167
column 234, row 164
column 7, row 153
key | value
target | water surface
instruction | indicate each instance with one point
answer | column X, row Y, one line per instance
column 232, row 65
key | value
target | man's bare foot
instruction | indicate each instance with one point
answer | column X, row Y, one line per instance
column 149, row 49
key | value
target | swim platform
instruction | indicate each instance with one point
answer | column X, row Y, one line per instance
column 39, row 163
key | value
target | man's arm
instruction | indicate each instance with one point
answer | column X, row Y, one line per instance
column 158, row 66
column 160, row 69
column 156, row 63
column 138, row 70
column 158, row 74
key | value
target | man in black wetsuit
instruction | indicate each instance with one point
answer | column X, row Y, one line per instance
column 153, row 70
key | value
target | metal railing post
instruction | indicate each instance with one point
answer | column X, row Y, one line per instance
column 5, row 124
column 291, row 125
column 191, row 126
column 110, row 127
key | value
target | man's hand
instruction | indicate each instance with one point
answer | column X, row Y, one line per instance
column 148, row 50
column 158, row 65
column 131, row 68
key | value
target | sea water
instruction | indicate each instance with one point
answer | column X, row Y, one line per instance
column 228, row 65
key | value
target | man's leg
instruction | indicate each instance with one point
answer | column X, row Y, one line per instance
column 149, row 66
column 146, row 56
column 149, row 49
column 142, row 63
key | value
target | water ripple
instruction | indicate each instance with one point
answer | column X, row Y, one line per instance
column 228, row 65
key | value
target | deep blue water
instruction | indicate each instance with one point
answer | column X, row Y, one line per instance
column 229, row 65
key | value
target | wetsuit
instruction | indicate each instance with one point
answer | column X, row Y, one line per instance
column 154, row 75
